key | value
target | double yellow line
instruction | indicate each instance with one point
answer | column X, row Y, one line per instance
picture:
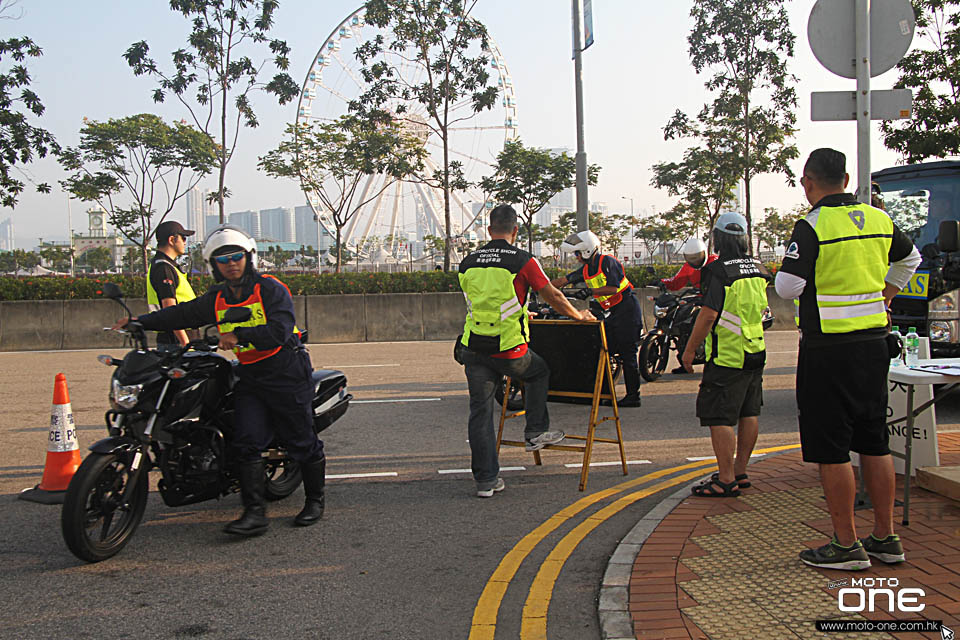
column 533, row 624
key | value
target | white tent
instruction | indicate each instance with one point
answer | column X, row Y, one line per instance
column 37, row 271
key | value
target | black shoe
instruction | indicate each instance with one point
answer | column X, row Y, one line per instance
column 254, row 521
column 833, row 556
column 314, row 478
column 678, row 370
column 631, row 400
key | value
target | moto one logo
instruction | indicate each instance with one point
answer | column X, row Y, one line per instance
column 865, row 594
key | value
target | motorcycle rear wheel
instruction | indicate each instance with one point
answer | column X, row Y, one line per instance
column 93, row 503
column 283, row 478
column 654, row 352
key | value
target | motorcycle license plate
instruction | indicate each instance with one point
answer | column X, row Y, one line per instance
column 917, row 287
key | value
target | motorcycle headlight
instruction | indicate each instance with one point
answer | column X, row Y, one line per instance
column 659, row 311
column 942, row 331
column 125, row 396
column 945, row 307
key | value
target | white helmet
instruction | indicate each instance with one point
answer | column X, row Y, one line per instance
column 229, row 236
column 586, row 242
column 694, row 252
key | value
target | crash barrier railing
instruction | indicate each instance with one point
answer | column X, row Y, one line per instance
column 579, row 361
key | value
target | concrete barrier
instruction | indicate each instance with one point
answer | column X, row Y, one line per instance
column 394, row 317
column 27, row 325
column 76, row 324
column 443, row 315
column 336, row 318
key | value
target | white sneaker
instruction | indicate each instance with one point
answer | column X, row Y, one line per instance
column 545, row 438
column 488, row 493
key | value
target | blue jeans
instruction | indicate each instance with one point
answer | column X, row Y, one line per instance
column 484, row 374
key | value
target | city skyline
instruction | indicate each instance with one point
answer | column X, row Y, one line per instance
column 635, row 76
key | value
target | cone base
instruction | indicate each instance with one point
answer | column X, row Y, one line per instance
column 42, row 496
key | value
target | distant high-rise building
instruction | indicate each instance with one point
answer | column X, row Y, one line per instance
column 195, row 216
column 307, row 229
column 278, row 224
column 6, row 235
column 211, row 222
column 561, row 203
column 249, row 221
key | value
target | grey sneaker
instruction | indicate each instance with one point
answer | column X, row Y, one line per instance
column 833, row 556
column 545, row 438
column 488, row 493
column 888, row 550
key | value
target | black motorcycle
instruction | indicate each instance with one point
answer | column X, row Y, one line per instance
column 172, row 411
column 546, row 312
column 675, row 315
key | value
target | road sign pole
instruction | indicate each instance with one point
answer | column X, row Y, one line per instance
column 863, row 100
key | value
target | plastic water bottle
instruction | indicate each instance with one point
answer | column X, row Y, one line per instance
column 912, row 344
column 897, row 360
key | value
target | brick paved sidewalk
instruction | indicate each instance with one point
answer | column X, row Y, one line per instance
column 727, row 568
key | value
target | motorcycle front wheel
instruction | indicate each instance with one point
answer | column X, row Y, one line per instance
column 652, row 360
column 95, row 521
column 283, row 478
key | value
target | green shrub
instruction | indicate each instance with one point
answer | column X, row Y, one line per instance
column 67, row 288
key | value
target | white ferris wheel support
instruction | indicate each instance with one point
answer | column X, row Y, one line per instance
column 333, row 80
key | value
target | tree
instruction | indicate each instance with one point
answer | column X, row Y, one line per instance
column 775, row 229
column 137, row 168
column 13, row 261
column 97, row 259
column 705, row 179
column 57, row 258
column 132, row 261
column 933, row 72
column 530, row 177
column 747, row 44
column 331, row 159
column 654, row 233
column 554, row 235
column 216, row 69
column 20, row 141
column 446, row 47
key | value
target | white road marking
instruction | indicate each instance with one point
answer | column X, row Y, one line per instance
column 447, row 471
column 579, row 465
column 385, row 474
column 401, row 400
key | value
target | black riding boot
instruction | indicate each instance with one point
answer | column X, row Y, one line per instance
column 254, row 521
column 314, row 477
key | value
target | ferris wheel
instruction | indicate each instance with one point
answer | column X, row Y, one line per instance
column 408, row 206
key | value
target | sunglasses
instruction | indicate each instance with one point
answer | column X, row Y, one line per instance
column 230, row 257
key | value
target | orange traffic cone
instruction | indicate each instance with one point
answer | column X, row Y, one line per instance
column 63, row 451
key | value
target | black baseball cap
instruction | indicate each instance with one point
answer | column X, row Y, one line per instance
column 171, row 228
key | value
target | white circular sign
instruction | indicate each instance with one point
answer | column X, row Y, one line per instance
column 831, row 31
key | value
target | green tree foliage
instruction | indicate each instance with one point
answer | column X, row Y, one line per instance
column 137, row 168
column 530, row 177
column 96, row 260
column 331, row 159
column 746, row 44
column 20, row 141
column 775, row 228
column 214, row 76
column 654, row 232
column 56, row 258
column 446, row 48
column 932, row 70
column 132, row 261
column 13, row 261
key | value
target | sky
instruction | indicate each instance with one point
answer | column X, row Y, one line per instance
column 635, row 76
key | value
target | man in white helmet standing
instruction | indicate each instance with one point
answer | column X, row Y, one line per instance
column 695, row 259
column 608, row 283
column 273, row 396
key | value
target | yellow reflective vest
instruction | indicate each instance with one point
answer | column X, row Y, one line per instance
column 736, row 338
column 183, row 292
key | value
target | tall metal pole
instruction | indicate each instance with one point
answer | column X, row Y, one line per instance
column 70, row 232
column 583, row 222
column 863, row 100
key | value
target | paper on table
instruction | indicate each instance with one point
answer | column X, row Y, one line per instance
column 945, row 369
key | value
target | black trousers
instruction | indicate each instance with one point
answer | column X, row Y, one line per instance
column 623, row 328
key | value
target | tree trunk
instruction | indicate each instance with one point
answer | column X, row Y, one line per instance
column 144, row 256
column 339, row 250
column 446, row 199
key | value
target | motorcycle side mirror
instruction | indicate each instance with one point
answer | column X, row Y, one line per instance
column 112, row 291
column 948, row 237
column 930, row 251
column 235, row 315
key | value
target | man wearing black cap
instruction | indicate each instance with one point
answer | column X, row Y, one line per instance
column 166, row 283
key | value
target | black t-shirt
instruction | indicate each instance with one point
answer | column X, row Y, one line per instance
column 164, row 276
column 800, row 260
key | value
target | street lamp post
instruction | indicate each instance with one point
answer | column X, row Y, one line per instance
column 632, row 236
